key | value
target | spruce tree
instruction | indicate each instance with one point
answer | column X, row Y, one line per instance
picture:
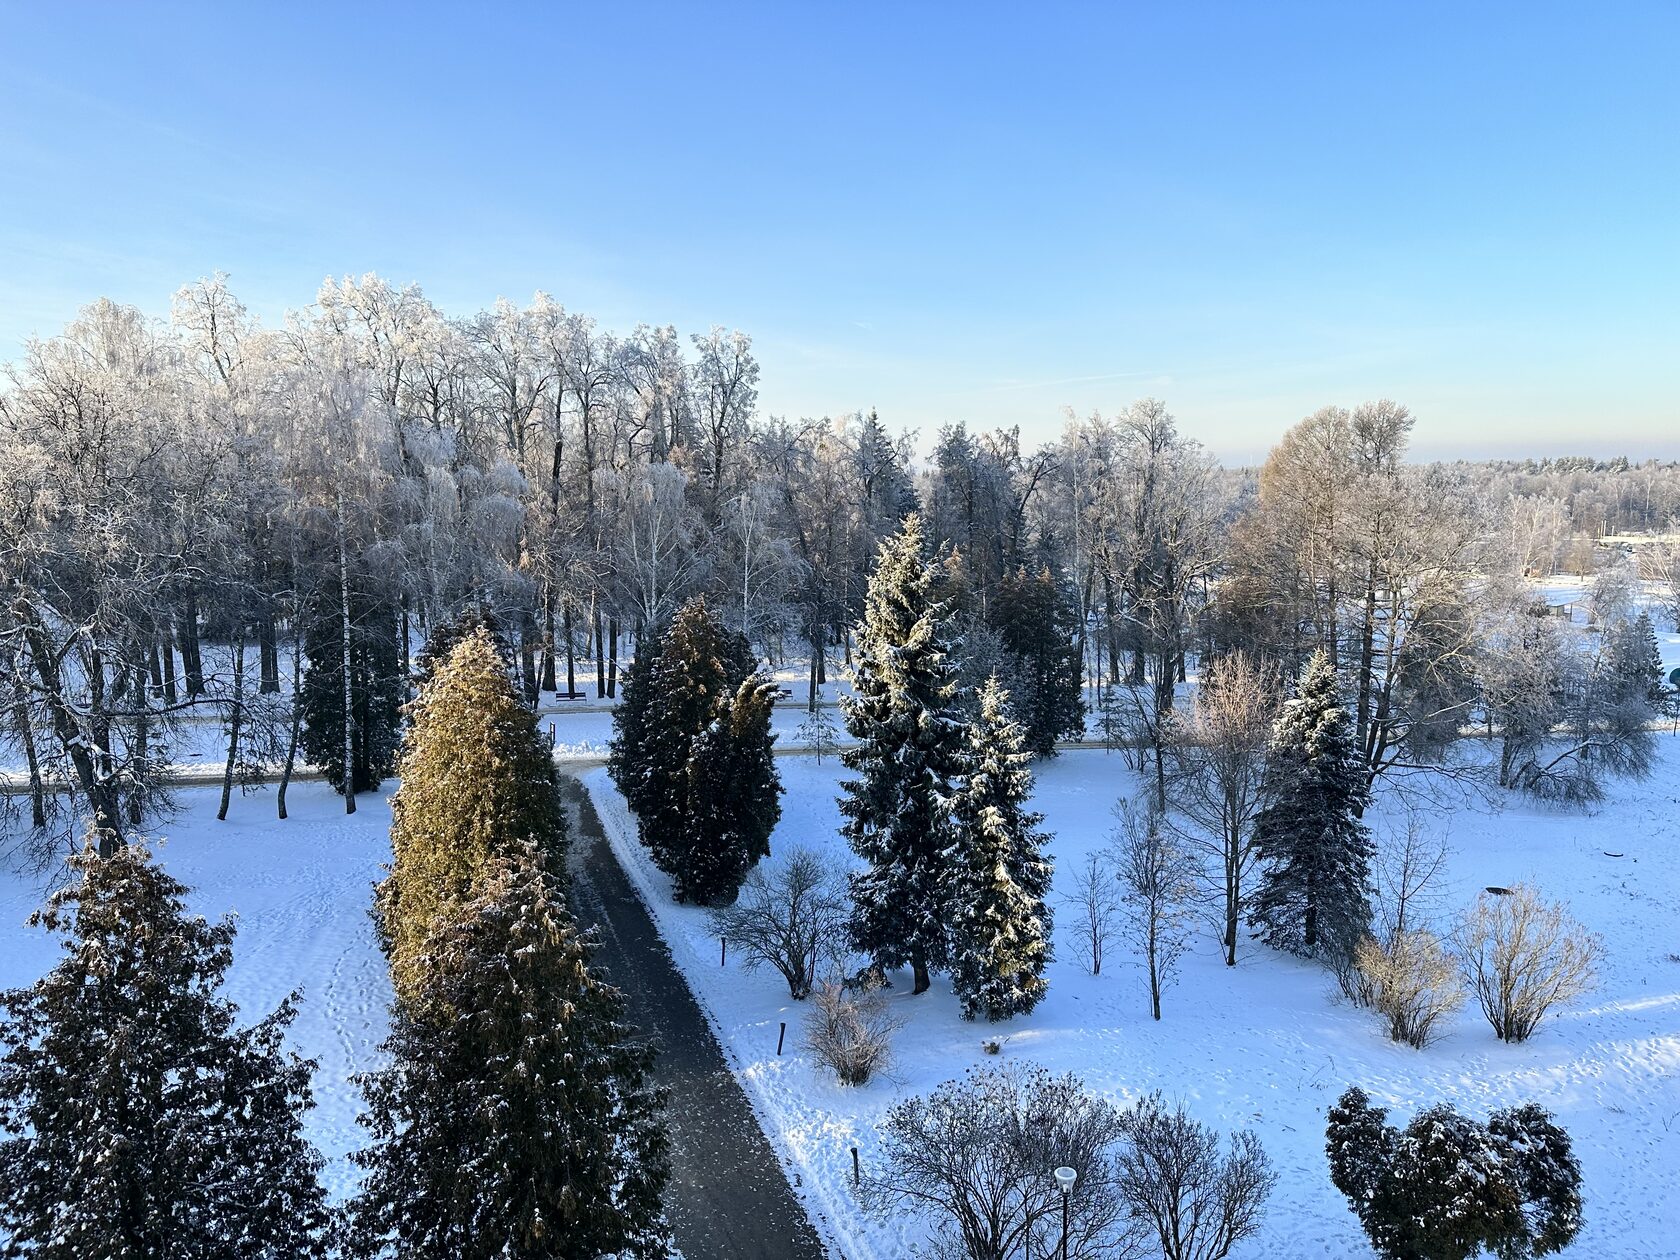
column 907, row 760
column 376, row 686
column 1315, row 853
column 515, row 1120
column 734, row 797
column 477, row 781
column 1038, row 621
column 1000, row 924
column 696, row 666
column 140, row 1123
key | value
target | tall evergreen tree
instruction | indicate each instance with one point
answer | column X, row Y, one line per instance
column 1315, row 853
column 1039, row 622
column 447, row 634
column 477, row 782
column 515, row 1120
column 734, row 793
column 1000, row 922
column 140, row 1123
column 375, row 685
column 908, row 758
column 696, row 666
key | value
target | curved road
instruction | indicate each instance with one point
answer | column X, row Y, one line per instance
column 728, row 1198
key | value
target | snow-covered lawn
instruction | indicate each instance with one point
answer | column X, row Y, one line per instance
column 1266, row 1044
column 301, row 891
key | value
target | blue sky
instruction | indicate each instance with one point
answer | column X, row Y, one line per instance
column 949, row 212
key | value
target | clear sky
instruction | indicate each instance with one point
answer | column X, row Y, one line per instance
column 949, row 212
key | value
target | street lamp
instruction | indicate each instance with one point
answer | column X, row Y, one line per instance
column 1065, row 1177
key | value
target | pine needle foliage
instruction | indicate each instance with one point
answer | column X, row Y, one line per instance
column 477, row 782
column 907, row 761
column 1315, row 853
column 1038, row 620
column 1000, row 922
column 376, row 687
column 734, row 793
column 516, row 1120
column 139, row 1122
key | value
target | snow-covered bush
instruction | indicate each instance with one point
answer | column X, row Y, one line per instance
column 1521, row 957
column 1412, row 982
column 1446, row 1187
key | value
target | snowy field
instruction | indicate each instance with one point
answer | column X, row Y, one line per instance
column 1267, row 1045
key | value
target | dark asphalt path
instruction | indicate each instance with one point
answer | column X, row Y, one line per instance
column 728, row 1198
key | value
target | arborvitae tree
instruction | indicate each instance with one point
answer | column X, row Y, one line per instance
column 1039, row 623
column 734, row 793
column 139, row 1121
column 477, row 782
column 516, row 1120
column 1000, row 923
column 1448, row 1188
column 376, row 686
column 697, row 663
column 1315, row 853
column 908, row 758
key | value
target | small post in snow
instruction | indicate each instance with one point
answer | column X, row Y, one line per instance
column 857, row 1172
column 779, row 1039
column 723, row 950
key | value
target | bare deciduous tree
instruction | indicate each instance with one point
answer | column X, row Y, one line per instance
column 1157, row 880
column 1095, row 900
column 1522, row 956
column 790, row 916
column 976, row 1156
column 1171, row 1174
column 1411, row 981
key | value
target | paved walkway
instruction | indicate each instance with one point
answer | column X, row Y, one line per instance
column 728, row 1198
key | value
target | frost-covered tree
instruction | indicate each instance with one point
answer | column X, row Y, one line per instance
column 1000, row 918
column 1314, row 897
column 477, row 783
column 908, row 758
column 139, row 1121
column 515, row 1120
column 817, row 732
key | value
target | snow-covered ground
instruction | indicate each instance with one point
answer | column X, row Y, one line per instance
column 1266, row 1045
column 300, row 890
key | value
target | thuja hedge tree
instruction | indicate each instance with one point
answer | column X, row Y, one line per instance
column 691, row 754
column 516, row 1120
column 477, row 782
column 137, row 1120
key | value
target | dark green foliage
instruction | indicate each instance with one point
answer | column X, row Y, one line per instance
column 1315, row 853
column 1038, row 620
column 734, row 793
column 1000, row 924
column 376, row 685
column 516, row 1120
column 690, row 683
column 1446, row 1188
column 909, row 756
column 139, row 1122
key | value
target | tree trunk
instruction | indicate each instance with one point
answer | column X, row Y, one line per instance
column 548, row 681
column 600, row 649
column 236, row 715
column 268, row 655
column 297, row 715
column 571, row 650
column 166, row 645
column 612, row 661
column 345, row 661
column 918, row 965
column 192, row 659
column 26, row 736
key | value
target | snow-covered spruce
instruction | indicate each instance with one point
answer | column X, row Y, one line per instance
column 1000, row 923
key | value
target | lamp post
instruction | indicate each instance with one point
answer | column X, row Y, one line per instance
column 1065, row 1177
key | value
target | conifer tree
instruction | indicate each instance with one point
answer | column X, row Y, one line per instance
column 1315, row 853
column 696, row 666
column 515, row 1120
column 734, row 794
column 477, row 782
column 1039, row 622
column 376, row 687
column 139, row 1122
column 1000, row 923
column 446, row 634
column 907, row 760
